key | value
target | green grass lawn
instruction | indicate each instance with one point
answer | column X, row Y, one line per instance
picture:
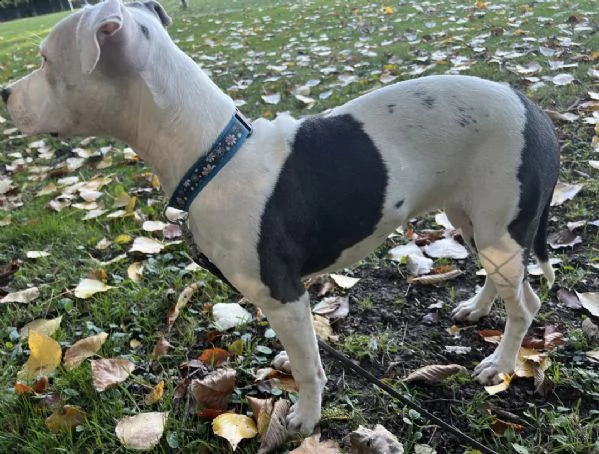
column 329, row 51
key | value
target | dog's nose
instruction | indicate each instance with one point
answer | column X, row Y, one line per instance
column 5, row 93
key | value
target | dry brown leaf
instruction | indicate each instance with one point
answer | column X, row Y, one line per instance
column 161, row 348
column 182, row 301
column 109, row 372
column 142, row 431
column 215, row 389
column 492, row 336
column 276, row 434
column 433, row 278
column 234, row 428
column 312, row 445
column 377, row 441
column 66, row 418
column 435, row 373
column 83, row 349
column 499, row 427
column 23, row 296
column 568, row 299
column 261, row 410
column 215, row 357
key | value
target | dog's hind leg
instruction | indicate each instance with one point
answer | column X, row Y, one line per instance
column 504, row 262
column 293, row 324
column 480, row 304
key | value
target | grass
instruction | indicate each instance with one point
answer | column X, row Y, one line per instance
column 278, row 46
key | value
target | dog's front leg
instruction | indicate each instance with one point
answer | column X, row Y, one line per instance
column 293, row 324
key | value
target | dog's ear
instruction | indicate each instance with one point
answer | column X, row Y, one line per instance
column 159, row 10
column 96, row 25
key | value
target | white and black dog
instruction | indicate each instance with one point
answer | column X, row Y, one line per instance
column 302, row 197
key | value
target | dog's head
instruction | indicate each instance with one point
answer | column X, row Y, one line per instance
column 90, row 63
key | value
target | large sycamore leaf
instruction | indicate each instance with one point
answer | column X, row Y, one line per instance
column 83, row 349
column 234, row 428
column 142, row 431
column 215, row 389
column 42, row 326
column 23, row 296
column 44, row 358
column 65, row 418
column 109, row 372
column 89, row 287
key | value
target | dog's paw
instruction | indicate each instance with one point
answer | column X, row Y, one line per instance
column 302, row 420
column 281, row 362
column 470, row 310
column 488, row 371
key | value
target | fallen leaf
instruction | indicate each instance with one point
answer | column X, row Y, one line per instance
column 230, row 315
column 89, row 287
column 155, row 395
column 146, row 245
column 322, row 327
column 562, row 79
column 400, row 253
column 499, row 427
column 333, row 307
column 44, row 357
column 23, row 296
column 564, row 191
column 435, row 373
column 458, row 349
column 563, row 239
column 153, row 226
column 182, row 301
column 492, row 336
column 66, row 418
column 276, row 433
column 215, row 389
column 345, row 282
column 446, row 248
column 272, row 99
column 418, row 264
column 142, row 431
column 42, row 326
column 568, row 299
column 37, row 254
column 261, row 410
column 593, row 354
column 22, row 388
column 234, row 428
column 431, row 279
column 215, row 357
column 107, row 373
column 83, row 349
column 377, row 441
column 161, row 348
column 41, row 384
column 502, row 386
column 590, row 301
column 589, row 328
column 312, row 445
column 135, row 271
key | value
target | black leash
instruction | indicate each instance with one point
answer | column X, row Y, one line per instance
column 404, row 400
column 205, row 263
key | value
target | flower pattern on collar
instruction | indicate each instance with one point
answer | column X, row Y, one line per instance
column 206, row 168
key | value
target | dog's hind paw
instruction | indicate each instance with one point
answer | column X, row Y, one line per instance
column 281, row 362
column 487, row 372
column 302, row 420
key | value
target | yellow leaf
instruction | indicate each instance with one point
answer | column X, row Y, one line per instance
column 388, row 10
column 83, row 349
column 135, row 271
column 123, row 238
column 155, row 395
column 89, row 287
column 42, row 326
column 65, row 418
column 182, row 301
column 142, row 431
column 322, row 327
column 44, row 358
column 236, row 347
column 131, row 205
column 234, row 428
column 505, row 384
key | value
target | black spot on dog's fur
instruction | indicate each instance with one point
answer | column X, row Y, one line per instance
column 145, row 31
column 329, row 196
column 537, row 175
column 390, row 108
column 429, row 102
column 399, row 204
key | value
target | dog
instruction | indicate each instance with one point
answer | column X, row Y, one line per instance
column 302, row 197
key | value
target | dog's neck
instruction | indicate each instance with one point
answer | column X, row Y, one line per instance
column 180, row 112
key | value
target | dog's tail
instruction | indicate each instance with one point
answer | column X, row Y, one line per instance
column 540, row 246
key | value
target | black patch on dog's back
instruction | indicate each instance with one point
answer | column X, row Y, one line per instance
column 329, row 196
column 537, row 175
